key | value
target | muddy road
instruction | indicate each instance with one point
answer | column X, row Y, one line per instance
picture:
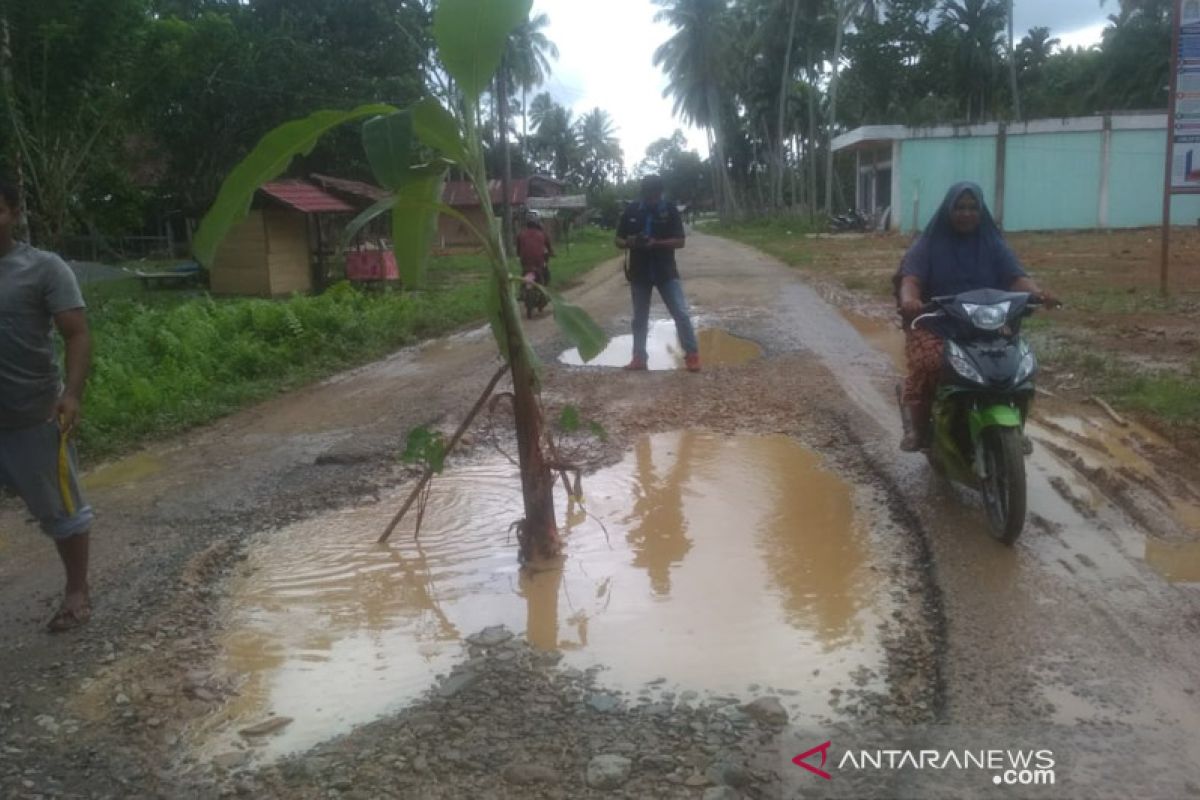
column 754, row 570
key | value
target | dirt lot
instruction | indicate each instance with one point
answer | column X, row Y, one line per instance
column 756, row 570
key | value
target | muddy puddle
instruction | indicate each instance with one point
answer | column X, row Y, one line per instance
column 125, row 472
column 881, row 333
column 717, row 348
column 1099, row 443
column 722, row 563
column 1178, row 562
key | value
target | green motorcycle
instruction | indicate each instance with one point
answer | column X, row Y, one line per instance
column 978, row 418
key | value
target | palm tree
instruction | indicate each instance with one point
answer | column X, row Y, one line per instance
column 556, row 142
column 600, row 148
column 977, row 25
column 1012, row 66
column 846, row 12
column 693, row 62
column 529, row 54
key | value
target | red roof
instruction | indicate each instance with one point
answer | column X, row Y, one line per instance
column 344, row 186
column 305, row 198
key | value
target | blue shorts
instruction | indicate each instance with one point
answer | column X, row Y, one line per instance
column 39, row 463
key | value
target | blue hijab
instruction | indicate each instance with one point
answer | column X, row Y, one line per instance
column 947, row 262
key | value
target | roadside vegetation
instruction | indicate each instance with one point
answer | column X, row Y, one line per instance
column 168, row 360
column 1117, row 338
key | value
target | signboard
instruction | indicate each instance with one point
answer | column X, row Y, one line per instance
column 1185, row 101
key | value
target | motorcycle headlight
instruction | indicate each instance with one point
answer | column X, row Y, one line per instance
column 961, row 364
column 1028, row 364
column 988, row 318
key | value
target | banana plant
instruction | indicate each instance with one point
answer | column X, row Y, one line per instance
column 410, row 151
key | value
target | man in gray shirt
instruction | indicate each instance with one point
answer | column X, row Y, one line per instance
column 38, row 412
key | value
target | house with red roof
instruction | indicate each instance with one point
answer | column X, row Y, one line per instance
column 462, row 197
column 285, row 243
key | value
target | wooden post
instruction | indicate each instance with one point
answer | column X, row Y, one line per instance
column 1169, row 168
column 1001, row 169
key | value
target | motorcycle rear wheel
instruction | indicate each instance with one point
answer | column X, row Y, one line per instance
column 1004, row 486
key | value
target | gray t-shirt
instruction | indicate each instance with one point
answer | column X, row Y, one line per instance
column 34, row 286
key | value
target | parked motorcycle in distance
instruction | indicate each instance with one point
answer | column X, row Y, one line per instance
column 852, row 220
column 983, row 400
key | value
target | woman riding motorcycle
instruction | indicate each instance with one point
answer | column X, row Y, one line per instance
column 961, row 249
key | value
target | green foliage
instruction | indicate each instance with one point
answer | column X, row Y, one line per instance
column 569, row 420
column 471, row 37
column 427, row 448
column 414, row 225
column 437, row 128
column 268, row 160
column 166, row 361
column 388, row 143
column 580, row 328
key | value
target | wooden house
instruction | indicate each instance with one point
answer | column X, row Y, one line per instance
column 283, row 245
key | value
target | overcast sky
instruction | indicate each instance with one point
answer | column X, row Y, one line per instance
column 607, row 49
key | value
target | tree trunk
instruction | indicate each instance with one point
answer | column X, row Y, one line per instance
column 525, row 125
column 810, row 156
column 506, row 230
column 842, row 18
column 539, row 529
column 785, row 83
column 10, row 98
column 1012, row 66
column 729, row 203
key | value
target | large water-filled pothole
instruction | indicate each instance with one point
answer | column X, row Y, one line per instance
column 722, row 563
column 717, row 348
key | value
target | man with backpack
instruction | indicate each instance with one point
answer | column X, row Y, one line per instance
column 652, row 230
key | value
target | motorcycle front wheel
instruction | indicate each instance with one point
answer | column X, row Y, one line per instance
column 1004, row 486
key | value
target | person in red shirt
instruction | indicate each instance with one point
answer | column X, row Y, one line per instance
column 535, row 250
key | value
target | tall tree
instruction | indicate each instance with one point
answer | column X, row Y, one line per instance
column 693, row 61
column 529, row 54
column 600, row 150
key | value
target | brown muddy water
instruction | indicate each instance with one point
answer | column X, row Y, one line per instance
column 717, row 348
column 726, row 562
column 881, row 333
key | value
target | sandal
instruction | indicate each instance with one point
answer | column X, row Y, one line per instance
column 67, row 619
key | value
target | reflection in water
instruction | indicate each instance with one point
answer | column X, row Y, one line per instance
column 1123, row 451
column 658, row 528
column 717, row 348
column 742, row 549
column 1178, row 562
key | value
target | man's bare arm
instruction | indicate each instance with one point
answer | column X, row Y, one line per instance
column 73, row 327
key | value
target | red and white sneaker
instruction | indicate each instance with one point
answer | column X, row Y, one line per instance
column 637, row 365
column 692, row 362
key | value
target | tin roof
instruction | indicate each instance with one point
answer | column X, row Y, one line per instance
column 305, row 198
column 344, row 186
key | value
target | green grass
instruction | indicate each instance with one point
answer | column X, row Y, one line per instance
column 168, row 360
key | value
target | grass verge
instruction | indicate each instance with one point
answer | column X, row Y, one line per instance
column 169, row 360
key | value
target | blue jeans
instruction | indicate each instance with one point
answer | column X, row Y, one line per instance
column 672, row 294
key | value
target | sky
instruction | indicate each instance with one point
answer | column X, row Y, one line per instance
column 607, row 49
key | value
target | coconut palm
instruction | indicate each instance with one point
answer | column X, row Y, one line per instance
column 599, row 147
column 977, row 25
column 693, row 60
column 530, row 52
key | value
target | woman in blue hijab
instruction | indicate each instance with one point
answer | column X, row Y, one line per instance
column 961, row 249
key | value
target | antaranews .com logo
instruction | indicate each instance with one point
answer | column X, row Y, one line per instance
column 1007, row 767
